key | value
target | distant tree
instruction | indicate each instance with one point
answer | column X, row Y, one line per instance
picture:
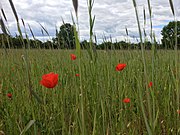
column 124, row 45
column 38, row 43
column 65, row 37
column 168, row 35
column 3, row 41
column 148, row 45
column 16, row 43
column 105, row 45
column 35, row 43
column 47, row 45
column 84, row 44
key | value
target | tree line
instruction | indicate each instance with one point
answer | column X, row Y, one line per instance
column 65, row 40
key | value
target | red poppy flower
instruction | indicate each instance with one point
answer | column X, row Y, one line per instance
column 126, row 100
column 9, row 95
column 120, row 67
column 178, row 111
column 77, row 75
column 49, row 80
column 73, row 57
column 150, row 84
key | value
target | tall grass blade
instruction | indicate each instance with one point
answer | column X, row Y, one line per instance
column 91, row 51
column 94, row 125
column 176, row 64
column 31, row 122
column 27, row 66
column 78, row 51
column 26, row 52
column 78, row 47
column 145, row 75
column 153, row 48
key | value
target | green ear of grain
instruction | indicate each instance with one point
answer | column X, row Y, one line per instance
column 17, row 20
column 149, row 7
column 31, row 32
column 75, row 4
column 31, row 122
column 4, row 15
column 172, row 7
column 144, row 12
column 44, row 29
column 134, row 3
column 3, row 28
column 14, row 10
column 126, row 31
column 23, row 22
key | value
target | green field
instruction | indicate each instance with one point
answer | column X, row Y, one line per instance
column 91, row 96
column 91, row 103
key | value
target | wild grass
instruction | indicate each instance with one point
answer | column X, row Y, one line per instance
column 103, row 89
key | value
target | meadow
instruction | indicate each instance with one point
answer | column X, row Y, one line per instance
column 93, row 101
column 89, row 92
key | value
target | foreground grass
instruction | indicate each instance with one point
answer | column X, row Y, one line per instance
column 103, row 87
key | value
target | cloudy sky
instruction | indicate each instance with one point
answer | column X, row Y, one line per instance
column 112, row 17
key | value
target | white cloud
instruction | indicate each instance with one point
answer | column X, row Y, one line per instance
column 111, row 16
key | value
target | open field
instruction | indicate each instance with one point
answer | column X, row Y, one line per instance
column 91, row 103
column 65, row 86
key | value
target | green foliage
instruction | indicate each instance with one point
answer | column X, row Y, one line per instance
column 65, row 39
column 168, row 35
column 15, row 42
column 65, row 36
column 60, row 43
